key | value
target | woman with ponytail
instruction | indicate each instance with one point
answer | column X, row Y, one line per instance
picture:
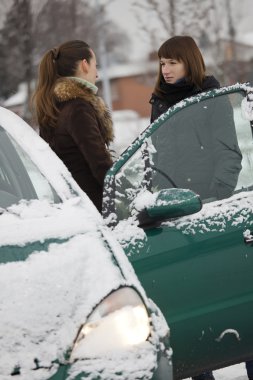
column 72, row 119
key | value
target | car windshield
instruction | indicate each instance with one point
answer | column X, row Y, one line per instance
column 20, row 178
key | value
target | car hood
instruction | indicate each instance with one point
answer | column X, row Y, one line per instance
column 47, row 294
column 38, row 220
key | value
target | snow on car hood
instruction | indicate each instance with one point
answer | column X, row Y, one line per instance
column 45, row 299
column 37, row 220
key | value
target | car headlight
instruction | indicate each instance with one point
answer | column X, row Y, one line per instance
column 119, row 321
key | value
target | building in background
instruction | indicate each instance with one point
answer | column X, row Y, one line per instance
column 131, row 86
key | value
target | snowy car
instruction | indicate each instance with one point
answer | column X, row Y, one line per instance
column 71, row 306
column 195, row 262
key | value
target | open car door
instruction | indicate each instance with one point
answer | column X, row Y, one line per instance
column 195, row 263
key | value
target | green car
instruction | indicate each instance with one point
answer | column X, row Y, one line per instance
column 71, row 306
column 180, row 201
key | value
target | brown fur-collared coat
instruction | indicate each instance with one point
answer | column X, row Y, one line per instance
column 81, row 136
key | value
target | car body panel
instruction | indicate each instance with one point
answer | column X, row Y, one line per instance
column 205, row 284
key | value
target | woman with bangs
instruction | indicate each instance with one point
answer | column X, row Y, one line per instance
column 182, row 73
column 200, row 150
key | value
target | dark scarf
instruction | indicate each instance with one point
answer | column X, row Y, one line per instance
column 173, row 93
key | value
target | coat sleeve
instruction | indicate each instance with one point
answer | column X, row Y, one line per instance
column 227, row 154
column 85, row 131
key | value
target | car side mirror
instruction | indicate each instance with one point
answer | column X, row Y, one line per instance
column 167, row 204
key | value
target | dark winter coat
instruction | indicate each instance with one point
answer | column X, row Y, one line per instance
column 198, row 149
column 173, row 93
column 81, row 135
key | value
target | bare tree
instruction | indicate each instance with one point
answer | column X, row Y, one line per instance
column 230, row 61
column 4, row 7
column 210, row 22
column 26, row 47
column 171, row 17
column 16, row 40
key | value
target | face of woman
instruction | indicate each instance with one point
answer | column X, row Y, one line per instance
column 92, row 74
column 172, row 70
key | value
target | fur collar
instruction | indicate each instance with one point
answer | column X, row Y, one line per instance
column 67, row 89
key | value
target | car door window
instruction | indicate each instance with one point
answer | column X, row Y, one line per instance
column 20, row 178
column 206, row 147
